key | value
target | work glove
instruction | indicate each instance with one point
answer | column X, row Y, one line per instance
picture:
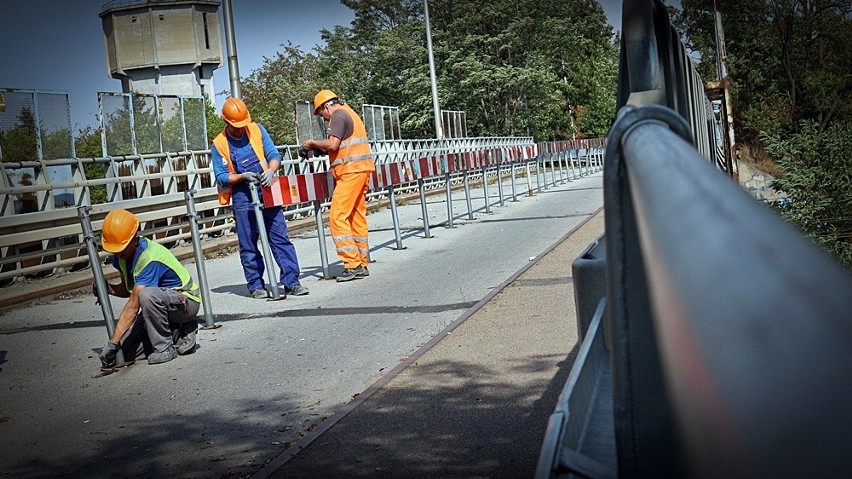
column 250, row 176
column 108, row 354
column 266, row 177
column 306, row 153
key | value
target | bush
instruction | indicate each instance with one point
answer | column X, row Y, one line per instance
column 817, row 177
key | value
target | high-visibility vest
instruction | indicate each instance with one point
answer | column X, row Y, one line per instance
column 221, row 145
column 157, row 252
column 354, row 155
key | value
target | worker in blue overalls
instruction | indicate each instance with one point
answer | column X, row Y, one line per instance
column 243, row 155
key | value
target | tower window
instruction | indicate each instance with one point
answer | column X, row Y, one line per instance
column 206, row 32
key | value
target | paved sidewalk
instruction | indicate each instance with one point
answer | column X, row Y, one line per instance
column 472, row 403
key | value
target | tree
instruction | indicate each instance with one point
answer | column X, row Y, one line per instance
column 88, row 145
column 817, row 178
column 20, row 142
column 789, row 60
column 215, row 123
column 512, row 70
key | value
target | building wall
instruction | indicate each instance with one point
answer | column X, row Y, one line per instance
column 163, row 47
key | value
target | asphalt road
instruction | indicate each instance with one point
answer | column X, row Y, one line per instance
column 275, row 369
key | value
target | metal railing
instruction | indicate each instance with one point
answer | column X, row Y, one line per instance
column 720, row 345
column 42, row 241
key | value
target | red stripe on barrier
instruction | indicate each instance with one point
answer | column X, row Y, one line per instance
column 301, row 188
column 394, row 174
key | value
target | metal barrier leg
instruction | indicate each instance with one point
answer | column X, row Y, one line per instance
column 449, row 192
column 395, row 216
column 485, row 189
column 552, row 172
column 529, row 180
column 326, row 274
column 103, row 292
column 538, row 173
column 192, row 214
column 559, row 165
column 264, row 241
column 422, row 188
column 514, row 186
column 466, row 180
column 500, row 186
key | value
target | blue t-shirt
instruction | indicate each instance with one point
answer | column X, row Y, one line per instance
column 244, row 159
column 155, row 274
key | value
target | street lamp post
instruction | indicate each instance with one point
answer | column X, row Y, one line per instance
column 231, row 45
column 435, row 104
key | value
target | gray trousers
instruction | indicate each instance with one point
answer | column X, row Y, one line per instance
column 165, row 315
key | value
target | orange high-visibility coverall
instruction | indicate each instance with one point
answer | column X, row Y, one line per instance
column 352, row 165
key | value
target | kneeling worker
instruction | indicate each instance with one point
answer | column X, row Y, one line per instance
column 159, row 318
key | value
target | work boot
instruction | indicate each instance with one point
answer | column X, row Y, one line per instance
column 348, row 274
column 297, row 290
column 186, row 343
column 259, row 293
column 163, row 356
column 362, row 271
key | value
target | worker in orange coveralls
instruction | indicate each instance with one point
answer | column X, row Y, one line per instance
column 352, row 165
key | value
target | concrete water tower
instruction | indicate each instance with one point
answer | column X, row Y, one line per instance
column 163, row 47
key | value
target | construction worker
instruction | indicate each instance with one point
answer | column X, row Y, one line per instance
column 158, row 320
column 243, row 155
column 352, row 165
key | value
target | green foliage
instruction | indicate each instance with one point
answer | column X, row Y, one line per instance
column 788, row 60
column 511, row 68
column 817, row 178
column 20, row 142
column 215, row 123
column 789, row 63
column 88, row 145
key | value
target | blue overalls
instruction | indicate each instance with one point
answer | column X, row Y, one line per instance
column 245, row 159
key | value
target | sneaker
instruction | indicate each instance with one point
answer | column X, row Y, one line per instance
column 163, row 356
column 348, row 274
column 259, row 293
column 186, row 344
column 297, row 290
column 362, row 272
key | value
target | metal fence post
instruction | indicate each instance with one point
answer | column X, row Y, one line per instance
column 264, row 241
column 466, row 181
column 199, row 258
column 449, row 191
column 326, row 274
column 485, row 188
column 395, row 217
column 421, row 187
column 500, row 186
column 514, row 179
column 100, row 280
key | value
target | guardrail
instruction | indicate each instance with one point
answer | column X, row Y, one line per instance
column 42, row 241
column 720, row 345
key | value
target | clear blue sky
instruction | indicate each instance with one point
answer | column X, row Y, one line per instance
column 58, row 45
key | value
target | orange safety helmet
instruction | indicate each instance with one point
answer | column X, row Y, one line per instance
column 322, row 97
column 119, row 228
column 235, row 113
